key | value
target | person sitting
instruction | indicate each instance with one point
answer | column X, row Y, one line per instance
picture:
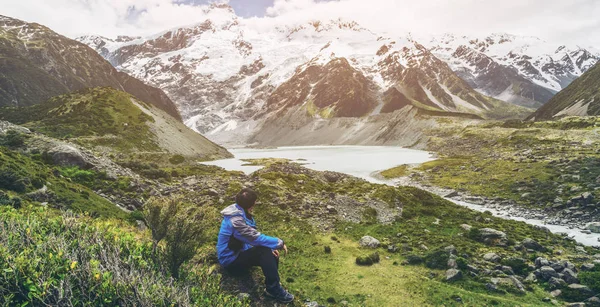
column 240, row 245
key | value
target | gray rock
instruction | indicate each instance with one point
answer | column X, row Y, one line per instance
column 424, row 247
column 546, row 272
column 66, row 156
column 556, row 283
column 453, row 275
column 507, row 269
column 556, row 293
column 311, row 304
column 212, row 192
column 532, row 244
column 570, row 277
column 580, row 249
column 493, row 237
column 466, row 227
column 588, row 198
column 450, row 249
column 593, row 301
column 580, row 291
column 530, row 278
column 492, row 257
column 586, row 267
column 368, row 241
column 540, row 262
column 576, row 305
column 594, row 227
column 452, row 263
column 243, row 296
column 517, row 283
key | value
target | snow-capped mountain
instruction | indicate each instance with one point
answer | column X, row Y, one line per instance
column 522, row 70
column 227, row 75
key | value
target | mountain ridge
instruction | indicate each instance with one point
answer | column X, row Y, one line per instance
column 37, row 64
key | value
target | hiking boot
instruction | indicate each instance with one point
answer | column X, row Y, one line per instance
column 279, row 294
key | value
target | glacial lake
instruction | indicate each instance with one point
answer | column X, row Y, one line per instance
column 363, row 162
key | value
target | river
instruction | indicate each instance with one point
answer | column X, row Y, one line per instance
column 363, row 162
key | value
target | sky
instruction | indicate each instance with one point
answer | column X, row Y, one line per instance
column 556, row 21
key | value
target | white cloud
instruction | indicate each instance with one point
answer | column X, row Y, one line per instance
column 573, row 21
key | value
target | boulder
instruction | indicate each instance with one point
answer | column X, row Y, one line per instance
column 368, row 241
column 492, row 257
column 546, row 272
column 586, row 267
column 593, row 301
column 453, row 275
column 491, row 236
column 66, row 156
column 466, row 227
column 450, row 249
column 532, row 244
column 570, row 277
column 556, row 283
column 577, row 292
column 594, row 227
column 540, row 262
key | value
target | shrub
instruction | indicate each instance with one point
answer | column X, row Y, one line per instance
column 183, row 239
column 368, row 259
column 78, row 175
column 13, row 138
column 437, row 259
column 11, row 180
column 182, row 231
column 158, row 215
column 177, row 159
column 462, row 263
column 518, row 265
column 414, row 259
column 474, row 234
column 81, row 261
column 591, row 279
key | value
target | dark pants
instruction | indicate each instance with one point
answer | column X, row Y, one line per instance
column 258, row 256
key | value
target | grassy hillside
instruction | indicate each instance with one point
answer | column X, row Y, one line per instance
column 37, row 64
column 105, row 119
column 583, row 92
column 541, row 164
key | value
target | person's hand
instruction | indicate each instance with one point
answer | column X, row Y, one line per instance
column 276, row 253
column 285, row 249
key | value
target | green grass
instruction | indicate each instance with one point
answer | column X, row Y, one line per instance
column 28, row 175
column 97, row 117
column 48, row 258
column 395, row 172
column 530, row 163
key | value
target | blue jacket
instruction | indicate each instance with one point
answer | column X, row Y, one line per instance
column 242, row 228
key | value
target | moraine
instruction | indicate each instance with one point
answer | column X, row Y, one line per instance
column 364, row 162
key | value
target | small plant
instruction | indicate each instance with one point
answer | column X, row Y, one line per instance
column 366, row 260
column 158, row 215
column 177, row 159
column 437, row 259
column 13, row 138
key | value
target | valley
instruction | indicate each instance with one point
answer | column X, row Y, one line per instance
column 400, row 170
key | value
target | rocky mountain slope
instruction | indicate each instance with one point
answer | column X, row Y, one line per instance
column 580, row 98
column 228, row 77
column 523, row 70
column 116, row 123
column 37, row 63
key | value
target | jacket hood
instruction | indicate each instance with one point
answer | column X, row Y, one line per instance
column 232, row 210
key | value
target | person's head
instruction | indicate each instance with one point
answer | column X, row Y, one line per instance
column 246, row 198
